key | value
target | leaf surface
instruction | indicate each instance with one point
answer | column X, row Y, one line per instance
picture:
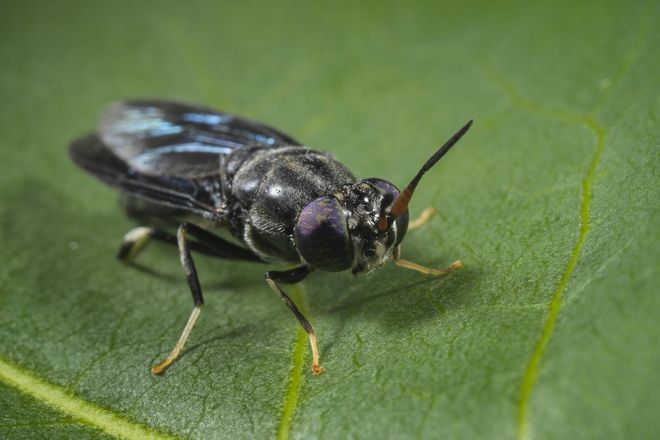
column 551, row 201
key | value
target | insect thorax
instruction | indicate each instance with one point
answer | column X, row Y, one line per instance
column 270, row 187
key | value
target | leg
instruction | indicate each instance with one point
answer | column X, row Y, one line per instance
column 219, row 247
column 133, row 242
column 198, row 299
column 290, row 277
column 458, row 264
column 420, row 221
column 207, row 243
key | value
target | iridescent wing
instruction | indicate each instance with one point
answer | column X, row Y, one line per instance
column 165, row 138
column 171, row 195
column 168, row 154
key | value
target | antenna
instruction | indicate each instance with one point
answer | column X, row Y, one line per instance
column 400, row 204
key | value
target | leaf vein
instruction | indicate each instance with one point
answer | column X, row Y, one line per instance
column 295, row 376
column 532, row 370
column 81, row 410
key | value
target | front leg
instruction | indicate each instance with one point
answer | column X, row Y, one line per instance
column 396, row 256
column 420, row 221
column 293, row 276
column 417, row 223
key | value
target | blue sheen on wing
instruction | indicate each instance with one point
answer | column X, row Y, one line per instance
column 205, row 118
column 148, row 156
column 179, row 139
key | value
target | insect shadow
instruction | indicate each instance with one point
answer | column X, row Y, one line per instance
column 394, row 301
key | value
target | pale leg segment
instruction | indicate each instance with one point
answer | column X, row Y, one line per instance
column 195, row 289
column 420, row 221
column 133, row 242
column 417, row 223
column 458, row 264
column 160, row 368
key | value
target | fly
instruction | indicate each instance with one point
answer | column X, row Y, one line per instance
column 196, row 169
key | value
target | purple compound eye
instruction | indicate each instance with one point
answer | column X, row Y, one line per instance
column 384, row 187
column 321, row 235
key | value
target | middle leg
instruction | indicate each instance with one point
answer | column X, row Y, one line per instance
column 196, row 290
column 293, row 276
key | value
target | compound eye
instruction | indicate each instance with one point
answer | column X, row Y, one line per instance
column 321, row 235
column 384, row 187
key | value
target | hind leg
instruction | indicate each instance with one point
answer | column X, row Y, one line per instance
column 133, row 242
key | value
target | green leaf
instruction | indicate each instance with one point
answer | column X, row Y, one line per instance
column 551, row 201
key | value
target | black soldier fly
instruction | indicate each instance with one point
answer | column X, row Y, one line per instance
column 186, row 166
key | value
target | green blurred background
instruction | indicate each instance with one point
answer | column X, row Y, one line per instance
column 551, row 200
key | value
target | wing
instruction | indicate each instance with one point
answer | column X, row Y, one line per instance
column 174, row 195
column 165, row 138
